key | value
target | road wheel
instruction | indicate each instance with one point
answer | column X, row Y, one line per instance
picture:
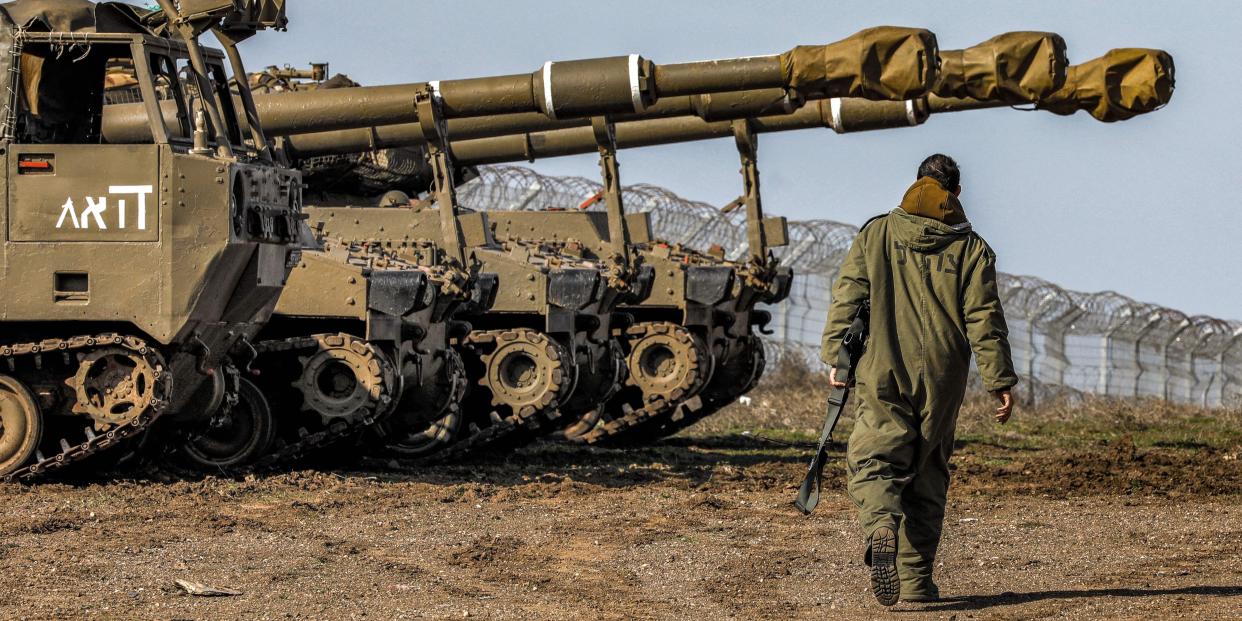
column 21, row 425
column 236, row 437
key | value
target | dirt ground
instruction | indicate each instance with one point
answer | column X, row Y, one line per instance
column 698, row 526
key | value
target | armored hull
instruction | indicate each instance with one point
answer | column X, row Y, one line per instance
column 130, row 271
column 544, row 341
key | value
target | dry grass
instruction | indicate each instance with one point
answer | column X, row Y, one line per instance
column 790, row 404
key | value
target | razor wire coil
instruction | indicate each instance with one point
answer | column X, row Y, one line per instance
column 1100, row 343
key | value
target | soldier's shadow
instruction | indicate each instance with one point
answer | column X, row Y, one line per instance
column 982, row 602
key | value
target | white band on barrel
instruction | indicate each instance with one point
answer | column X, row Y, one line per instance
column 435, row 91
column 834, row 107
column 636, row 91
column 787, row 104
column 547, row 90
column 911, row 114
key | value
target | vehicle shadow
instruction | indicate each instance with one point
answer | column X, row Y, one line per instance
column 693, row 461
column 696, row 461
column 981, row 602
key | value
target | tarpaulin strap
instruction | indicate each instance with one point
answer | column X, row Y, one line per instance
column 852, row 346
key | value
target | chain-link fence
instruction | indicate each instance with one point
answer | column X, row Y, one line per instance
column 1100, row 343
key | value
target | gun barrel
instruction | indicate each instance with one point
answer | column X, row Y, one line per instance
column 721, row 106
column 881, row 63
column 1119, row 85
column 1012, row 67
column 886, row 62
column 1146, row 75
column 631, row 135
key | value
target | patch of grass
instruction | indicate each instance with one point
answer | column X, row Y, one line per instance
column 788, row 406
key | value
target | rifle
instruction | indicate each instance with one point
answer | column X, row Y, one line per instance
column 852, row 346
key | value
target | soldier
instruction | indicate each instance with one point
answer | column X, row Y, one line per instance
column 931, row 282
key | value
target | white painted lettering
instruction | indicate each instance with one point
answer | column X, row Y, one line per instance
column 95, row 207
column 68, row 209
column 142, row 191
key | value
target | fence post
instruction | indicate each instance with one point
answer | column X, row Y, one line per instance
column 1055, row 341
column 1201, row 338
column 1138, row 351
column 789, row 258
column 1168, row 370
column 1031, row 320
column 786, row 306
column 1228, row 375
column 1104, row 385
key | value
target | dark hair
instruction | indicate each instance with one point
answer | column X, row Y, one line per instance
column 943, row 169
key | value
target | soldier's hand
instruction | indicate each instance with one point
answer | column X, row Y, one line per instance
column 1005, row 397
column 832, row 379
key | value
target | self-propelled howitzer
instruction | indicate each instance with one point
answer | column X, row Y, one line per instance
column 1122, row 84
column 547, row 342
column 679, row 362
column 695, row 332
column 358, row 348
column 131, row 271
column 544, row 343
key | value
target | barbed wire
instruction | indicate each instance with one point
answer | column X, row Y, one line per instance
column 1098, row 343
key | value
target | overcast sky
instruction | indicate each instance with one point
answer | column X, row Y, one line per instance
column 1148, row 207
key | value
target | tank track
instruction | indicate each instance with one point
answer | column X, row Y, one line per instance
column 598, row 428
column 94, row 443
column 530, row 419
column 569, row 423
column 338, row 431
column 748, row 367
column 622, row 429
column 448, row 422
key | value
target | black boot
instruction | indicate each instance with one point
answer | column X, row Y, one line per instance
column 883, row 556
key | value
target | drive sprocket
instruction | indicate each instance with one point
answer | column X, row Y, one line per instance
column 113, row 385
column 668, row 360
column 521, row 376
column 734, row 377
column 667, row 365
column 117, row 381
column 524, row 372
column 346, row 377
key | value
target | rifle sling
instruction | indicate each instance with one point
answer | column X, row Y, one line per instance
column 847, row 358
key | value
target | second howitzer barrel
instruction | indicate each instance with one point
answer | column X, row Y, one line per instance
column 887, row 63
column 1015, row 67
column 1120, row 85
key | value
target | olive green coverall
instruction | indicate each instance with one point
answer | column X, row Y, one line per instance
column 932, row 285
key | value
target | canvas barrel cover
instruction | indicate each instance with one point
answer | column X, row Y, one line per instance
column 884, row 63
column 1120, row 85
column 77, row 16
column 1015, row 67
